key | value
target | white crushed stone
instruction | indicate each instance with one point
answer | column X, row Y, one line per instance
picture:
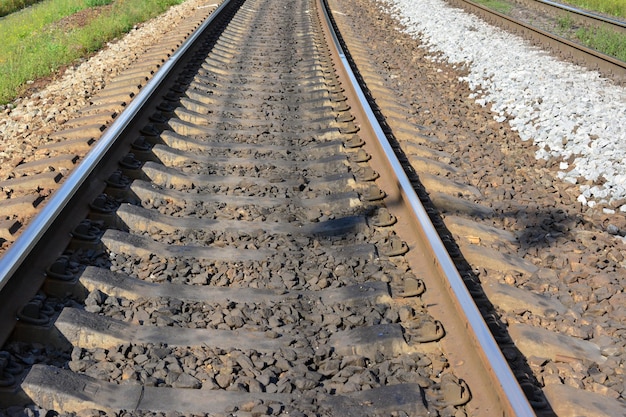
column 566, row 110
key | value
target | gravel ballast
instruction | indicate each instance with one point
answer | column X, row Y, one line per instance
column 27, row 123
column 572, row 115
column 574, row 294
column 572, row 243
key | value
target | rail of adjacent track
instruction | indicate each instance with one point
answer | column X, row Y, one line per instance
column 579, row 16
column 231, row 234
column 607, row 65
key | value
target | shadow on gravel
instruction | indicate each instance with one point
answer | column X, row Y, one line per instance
column 542, row 228
column 518, row 363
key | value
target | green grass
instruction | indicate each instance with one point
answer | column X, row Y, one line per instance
column 498, row 6
column 602, row 40
column 96, row 3
column 17, row 26
column 615, row 8
column 11, row 6
column 605, row 41
column 565, row 22
column 33, row 47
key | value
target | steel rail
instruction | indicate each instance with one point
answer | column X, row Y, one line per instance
column 579, row 15
column 605, row 64
column 588, row 57
column 513, row 394
column 24, row 244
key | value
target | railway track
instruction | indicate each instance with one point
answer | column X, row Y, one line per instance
column 239, row 246
column 150, row 276
column 579, row 16
column 608, row 66
column 523, row 245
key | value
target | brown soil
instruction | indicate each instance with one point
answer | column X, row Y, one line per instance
column 77, row 20
column 81, row 18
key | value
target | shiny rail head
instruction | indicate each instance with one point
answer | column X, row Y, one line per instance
column 514, row 398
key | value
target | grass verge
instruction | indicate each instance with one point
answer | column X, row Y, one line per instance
column 600, row 39
column 10, row 6
column 497, row 5
column 605, row 41
column 615, row 8
column 38, row 41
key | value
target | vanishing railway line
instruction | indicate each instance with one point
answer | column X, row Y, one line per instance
column 234, row 249
column 242, row 241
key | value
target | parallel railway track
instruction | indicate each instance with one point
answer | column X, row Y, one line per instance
column 242, row 251
column 579, row 16
column 577, row 53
